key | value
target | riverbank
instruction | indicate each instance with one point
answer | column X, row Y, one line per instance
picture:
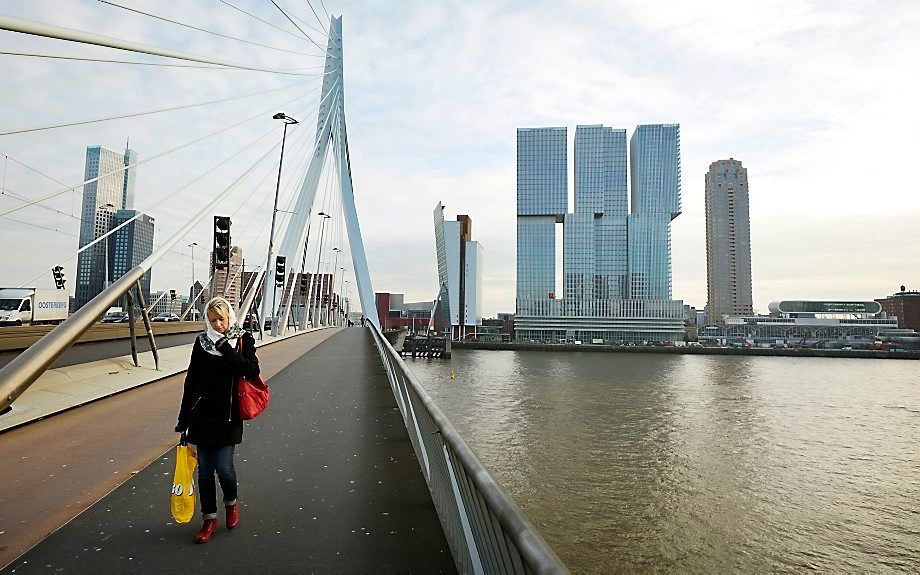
column 757, row 351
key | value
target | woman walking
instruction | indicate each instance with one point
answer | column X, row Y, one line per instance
column 209, row 413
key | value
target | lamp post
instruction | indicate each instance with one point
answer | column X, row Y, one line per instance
column 341, row 293
column 269, row 277
column 335, row 262
column 194, row 295
column 317, row 279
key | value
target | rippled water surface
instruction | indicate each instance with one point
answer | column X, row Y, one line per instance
column 640, row 462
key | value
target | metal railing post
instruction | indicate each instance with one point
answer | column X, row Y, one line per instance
column 130, row 300
column 153, row 343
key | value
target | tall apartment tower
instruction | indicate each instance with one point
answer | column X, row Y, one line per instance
column 459, row 274
column 594, row 247
column 102, row 198
column 132, row 244
column 728, row 241
column 654, row 157
column 542, row 201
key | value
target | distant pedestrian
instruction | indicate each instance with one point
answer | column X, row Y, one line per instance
column 362, row 321
column 209, row 413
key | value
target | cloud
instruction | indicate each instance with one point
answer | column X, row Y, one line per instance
column 814, row 101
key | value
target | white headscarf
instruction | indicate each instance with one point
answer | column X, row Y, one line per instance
column 212, row 335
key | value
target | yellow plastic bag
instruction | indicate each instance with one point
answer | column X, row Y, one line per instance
column 182, row 501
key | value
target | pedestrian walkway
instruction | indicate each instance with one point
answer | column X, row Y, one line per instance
column 329, row 483
column 63, row 388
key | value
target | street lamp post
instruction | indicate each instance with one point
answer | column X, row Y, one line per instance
column 317, row 279
column 194, row 295
column 341, row 293
column 270, row 277
column 335, row 262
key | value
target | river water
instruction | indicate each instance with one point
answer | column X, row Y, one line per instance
column 694, row 463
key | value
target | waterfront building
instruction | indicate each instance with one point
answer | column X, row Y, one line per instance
column 111, row 190
column 616, row 247
column 133, row 243
column 808, row 323
column 542, row 201
column 394, row 312
column 904, row 305
column 728, row 240
column 654, row 155
column 459, row 275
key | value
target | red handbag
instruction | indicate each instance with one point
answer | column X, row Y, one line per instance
column 252, row 394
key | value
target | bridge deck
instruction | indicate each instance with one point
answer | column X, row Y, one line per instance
column 328, row 484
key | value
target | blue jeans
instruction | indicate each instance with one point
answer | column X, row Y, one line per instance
column 219, row 459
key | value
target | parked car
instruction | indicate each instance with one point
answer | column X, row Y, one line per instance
column 115, row 317
column 166, row 317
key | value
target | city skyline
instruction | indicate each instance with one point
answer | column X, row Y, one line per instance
column 798, row 95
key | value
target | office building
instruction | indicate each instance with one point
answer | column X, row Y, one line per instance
column 459, row 275
column 394, row 312
column 616, row 245
column 542, row 201
column 904, row 305
column 654, row 155
column 133, row 243
column 728, row 241
column 111, row 189
column 814, row 324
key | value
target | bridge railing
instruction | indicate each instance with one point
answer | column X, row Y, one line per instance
column 486, row 531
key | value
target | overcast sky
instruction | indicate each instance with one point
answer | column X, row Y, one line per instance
column 815, row 98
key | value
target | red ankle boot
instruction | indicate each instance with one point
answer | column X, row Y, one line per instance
column 233, row 516
column 204, row 535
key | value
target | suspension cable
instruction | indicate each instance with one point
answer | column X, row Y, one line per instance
column 177, row 23
column 156, row 156
column 261, row 20
column 298, row 27
column 281, row 71
column 71, row 35
column 147, row 113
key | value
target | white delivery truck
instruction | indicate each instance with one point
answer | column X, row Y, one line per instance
column 25, row 306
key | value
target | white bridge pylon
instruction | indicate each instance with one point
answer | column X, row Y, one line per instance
column 331, row 141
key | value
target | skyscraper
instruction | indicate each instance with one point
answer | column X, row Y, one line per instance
column 459, row 274
column 113, row 185
column 132, row 245
column 594, row 246
column 616, row 252
column 728, row 241
column 542, row 201
column 654, row 153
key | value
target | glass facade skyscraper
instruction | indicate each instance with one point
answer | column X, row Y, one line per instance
column 542, row 201
column 102, row 198
column 616, row 252
column 459, row 308
column 132, row 245
column 655, row 178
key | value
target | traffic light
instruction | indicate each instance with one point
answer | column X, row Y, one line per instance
column 303, row 285
column 221, row 242
column 279, row 271
column 172, row 295
column 58, row 273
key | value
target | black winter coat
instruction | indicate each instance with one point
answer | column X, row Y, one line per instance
column 210, row 410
